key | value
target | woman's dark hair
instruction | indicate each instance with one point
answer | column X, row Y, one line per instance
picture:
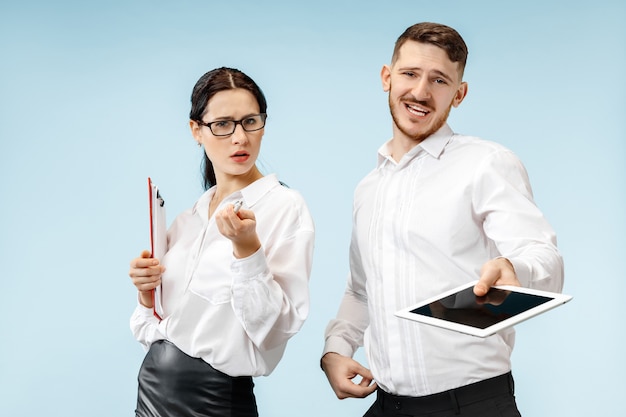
column 208, row 85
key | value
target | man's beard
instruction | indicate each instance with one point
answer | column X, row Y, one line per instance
column 417, row 137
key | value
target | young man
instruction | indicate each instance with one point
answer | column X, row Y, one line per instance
column 439, row 210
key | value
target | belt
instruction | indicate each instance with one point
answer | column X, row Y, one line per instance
column 448, row 400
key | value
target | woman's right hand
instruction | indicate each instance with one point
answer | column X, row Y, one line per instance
column 145, row 272
column 240, row 228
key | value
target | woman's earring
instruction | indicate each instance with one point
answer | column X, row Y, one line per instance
column 199, row 145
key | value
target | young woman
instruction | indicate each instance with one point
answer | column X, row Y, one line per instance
column 234, row 283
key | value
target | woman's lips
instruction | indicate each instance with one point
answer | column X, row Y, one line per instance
column 240, row 156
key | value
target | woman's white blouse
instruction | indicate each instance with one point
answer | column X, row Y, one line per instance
column 236, row 314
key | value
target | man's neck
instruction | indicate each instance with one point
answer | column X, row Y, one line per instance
column 401, row 144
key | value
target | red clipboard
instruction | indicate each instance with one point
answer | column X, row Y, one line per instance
column 158, row 239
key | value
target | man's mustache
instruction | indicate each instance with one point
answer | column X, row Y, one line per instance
column 427, row 104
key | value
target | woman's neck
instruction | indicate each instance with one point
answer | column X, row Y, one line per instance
column 228, row 184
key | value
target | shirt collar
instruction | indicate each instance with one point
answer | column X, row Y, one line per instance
column 255, row 191
column 433, row 145
column 250, row 194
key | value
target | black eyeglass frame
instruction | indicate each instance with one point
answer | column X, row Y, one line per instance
column 236, row 122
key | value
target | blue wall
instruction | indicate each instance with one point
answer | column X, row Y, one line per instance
column 94, row 98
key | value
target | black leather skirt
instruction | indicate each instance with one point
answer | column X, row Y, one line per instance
column 172, row 383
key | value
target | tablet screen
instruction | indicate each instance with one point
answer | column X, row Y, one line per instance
column 466, row 308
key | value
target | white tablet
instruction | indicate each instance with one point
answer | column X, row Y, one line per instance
column 503, row 306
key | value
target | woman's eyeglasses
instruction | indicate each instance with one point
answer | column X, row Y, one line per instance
column 227, row 127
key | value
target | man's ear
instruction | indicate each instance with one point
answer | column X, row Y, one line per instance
column 461, row 92
column 385, row 77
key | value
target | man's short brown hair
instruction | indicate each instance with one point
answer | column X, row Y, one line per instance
column 436, row 34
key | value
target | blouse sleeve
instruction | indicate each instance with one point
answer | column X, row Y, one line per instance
column 144, row 326
column 270, row 295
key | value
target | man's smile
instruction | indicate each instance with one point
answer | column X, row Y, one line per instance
column 416, row 110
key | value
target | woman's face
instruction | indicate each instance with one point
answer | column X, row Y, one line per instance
column 235, row 154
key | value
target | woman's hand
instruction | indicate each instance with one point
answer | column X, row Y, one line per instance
column 240, row 228
column 145, row 272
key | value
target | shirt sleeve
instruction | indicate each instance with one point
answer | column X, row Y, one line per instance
column 503, row 199
column 344, row 334
column 144, row 326
column 270, row 294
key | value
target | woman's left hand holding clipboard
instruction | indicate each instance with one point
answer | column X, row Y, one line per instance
column 145, row 272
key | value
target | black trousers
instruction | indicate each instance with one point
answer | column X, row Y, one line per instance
column 171, row 383
column 494, row 397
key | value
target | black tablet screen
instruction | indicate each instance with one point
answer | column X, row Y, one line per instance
column 466, row 308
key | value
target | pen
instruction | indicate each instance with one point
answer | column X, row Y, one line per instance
column 237, row 206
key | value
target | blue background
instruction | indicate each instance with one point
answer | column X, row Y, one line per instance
column 94, row 97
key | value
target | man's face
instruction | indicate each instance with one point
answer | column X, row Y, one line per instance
column 423, row 85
